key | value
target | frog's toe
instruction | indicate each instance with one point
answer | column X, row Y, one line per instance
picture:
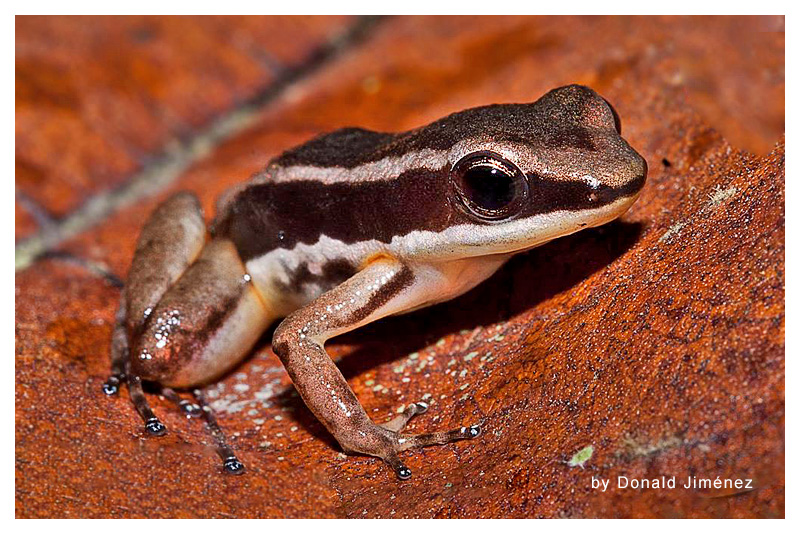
column 155, row 427
column 413, row 441
column 111, row 386
column 233, row 466
column 398, row 423
column 400, row 469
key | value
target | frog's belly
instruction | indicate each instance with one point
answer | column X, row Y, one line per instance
column 288, row 279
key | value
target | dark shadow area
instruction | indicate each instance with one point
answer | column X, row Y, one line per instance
column 526, row 280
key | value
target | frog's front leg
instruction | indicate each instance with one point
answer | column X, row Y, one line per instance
column 386, row 286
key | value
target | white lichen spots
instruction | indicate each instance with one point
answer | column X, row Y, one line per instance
column 581, row 457
column 265, row 445
column 281, row 458
column 144, row 355
column 259, row 421
column 293, row 429
column 341, row 456
column 401, row 408
column 278, row 418
column 369, row 383
column 252, row 413
column 164, row 326
column 413, row 356
column 464, row 397
column 426, row 396
column 470, row 356
column 451, row 362
column 720, row 194
column 440, row 342
column 241, row 388
column 464, row 386
column 673, row 230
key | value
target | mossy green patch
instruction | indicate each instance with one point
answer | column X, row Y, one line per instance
column 581, row 457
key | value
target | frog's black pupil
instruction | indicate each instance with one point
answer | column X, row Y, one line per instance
column 488, row 187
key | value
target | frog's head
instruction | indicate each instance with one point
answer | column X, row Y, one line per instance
column 523, row 174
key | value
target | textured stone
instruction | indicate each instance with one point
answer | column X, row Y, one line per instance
column 657, row 340
column 24, row 223
column 98, row 98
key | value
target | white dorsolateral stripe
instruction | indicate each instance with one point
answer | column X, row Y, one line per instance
column 420, row 246
column 390, row 167
column 385, row 169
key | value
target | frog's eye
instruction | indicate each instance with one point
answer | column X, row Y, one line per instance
column 489, row 187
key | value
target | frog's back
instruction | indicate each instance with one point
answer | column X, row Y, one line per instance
column 350, row 187
column 320, row 211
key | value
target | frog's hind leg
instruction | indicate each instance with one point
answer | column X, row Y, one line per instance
column 230, row 462
column 119, row 351
column 200, row 329
column 169, row 243
column 200, row 408
column 189, row 409
column 152, row 424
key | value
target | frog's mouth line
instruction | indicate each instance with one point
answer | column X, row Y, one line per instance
column 524, row 233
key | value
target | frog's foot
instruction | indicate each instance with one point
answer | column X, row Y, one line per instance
column 403, row 442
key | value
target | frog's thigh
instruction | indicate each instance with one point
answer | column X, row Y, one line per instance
column 204, row 324
column 169, row 242
column 383, row 288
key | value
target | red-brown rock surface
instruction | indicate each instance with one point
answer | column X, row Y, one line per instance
column 657, row 340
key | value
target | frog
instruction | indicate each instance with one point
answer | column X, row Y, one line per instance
column 348, row 228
